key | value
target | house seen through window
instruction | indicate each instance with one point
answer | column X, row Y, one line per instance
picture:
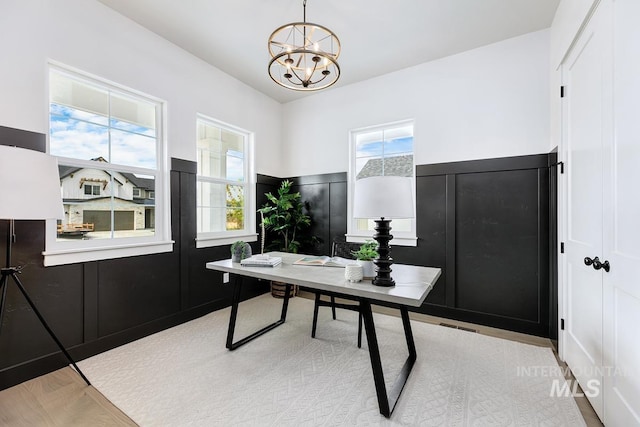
column 108, row 143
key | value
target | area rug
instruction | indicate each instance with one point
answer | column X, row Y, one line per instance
column 184, row 376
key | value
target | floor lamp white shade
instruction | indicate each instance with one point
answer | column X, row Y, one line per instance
column 29, row 185
column 383, row 197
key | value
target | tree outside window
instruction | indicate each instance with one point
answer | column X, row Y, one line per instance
column 224, row 184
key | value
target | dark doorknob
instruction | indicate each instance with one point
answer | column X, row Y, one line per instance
column 601, row 265
column 597, row 265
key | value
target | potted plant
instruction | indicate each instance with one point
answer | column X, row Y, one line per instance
column 285, row 218
column 365, row 255
column 240, row 250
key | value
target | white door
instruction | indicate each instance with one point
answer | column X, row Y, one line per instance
column 584, row 126
column 622, row 226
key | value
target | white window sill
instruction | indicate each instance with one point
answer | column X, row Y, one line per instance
column 396, row 241
column 207, row 242
column 72, row 256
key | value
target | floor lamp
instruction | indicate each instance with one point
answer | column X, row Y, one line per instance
column 384, row 197
column 30, row 190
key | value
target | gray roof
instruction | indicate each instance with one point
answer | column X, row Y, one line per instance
column 393, row 166
column 144, row 183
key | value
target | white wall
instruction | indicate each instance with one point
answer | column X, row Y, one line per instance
column 488, row 102
column 93, row 38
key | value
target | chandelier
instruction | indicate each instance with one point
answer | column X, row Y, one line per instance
column 304, row 55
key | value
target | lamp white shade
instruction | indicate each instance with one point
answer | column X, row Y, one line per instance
column 383, row 197
column 29, row 185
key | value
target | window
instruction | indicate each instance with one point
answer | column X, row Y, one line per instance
column 136, row 192
column 385, row 150
column 109, row 145
column 92, row 190
column 225, row 184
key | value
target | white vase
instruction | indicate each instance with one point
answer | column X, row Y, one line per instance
column 353, row 272
column 368, row 269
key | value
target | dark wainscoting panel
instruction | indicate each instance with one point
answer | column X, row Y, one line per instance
column 95, row 306
column 497, row 243
column 553, row 247
column 316, row 198
column 136, row 290
column 486, row 223
column 338, row 209
column 496, row 267
column 23, row 139
column 326, row 198
column 56, row 292
column 432, row 233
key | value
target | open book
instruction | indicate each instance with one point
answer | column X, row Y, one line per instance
column 324, row 260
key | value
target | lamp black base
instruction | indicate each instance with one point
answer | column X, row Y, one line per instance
column 384, row 261
column 383, row 282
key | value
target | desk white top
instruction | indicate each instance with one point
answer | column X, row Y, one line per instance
column 413, row 283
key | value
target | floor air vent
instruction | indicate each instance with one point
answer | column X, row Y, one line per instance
column 462, row 328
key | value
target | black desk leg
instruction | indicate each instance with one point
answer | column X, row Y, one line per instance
column 234, row 313
column 387, row 401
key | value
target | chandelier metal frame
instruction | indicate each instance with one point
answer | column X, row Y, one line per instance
column 304, row 55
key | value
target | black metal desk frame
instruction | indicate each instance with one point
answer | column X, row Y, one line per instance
column 387, row 399
column 235, row 301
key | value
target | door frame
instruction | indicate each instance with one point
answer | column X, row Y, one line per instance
column 563, row 189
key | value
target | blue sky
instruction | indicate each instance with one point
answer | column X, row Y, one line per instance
column 81, row 135
column 391, row 147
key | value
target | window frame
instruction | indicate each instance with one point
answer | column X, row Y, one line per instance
column 69, row 252
column 400, row 238
column 92, row 190
column 248, row 233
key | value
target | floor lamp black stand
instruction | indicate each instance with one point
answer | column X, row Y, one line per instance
column 12, row 272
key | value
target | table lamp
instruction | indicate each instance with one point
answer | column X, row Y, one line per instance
column 30, row 190
column 384, row 197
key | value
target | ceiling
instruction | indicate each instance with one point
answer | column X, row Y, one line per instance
column 377, row 36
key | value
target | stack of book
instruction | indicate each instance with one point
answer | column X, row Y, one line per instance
column 261, row 261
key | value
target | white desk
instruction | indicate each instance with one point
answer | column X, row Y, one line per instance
column 413, row 284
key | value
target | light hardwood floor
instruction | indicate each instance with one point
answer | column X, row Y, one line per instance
column 61, row 398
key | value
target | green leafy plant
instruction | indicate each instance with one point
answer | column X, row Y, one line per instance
column 240, row 250
column 368, row 251
column 284, row 216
